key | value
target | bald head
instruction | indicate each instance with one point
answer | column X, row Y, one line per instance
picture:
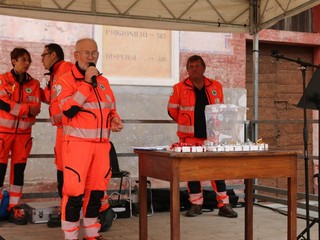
column 84, row 42
column 86, row 52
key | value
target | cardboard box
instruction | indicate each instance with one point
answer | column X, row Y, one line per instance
column 39, row 212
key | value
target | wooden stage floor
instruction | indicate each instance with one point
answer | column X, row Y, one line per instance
column 269, row 224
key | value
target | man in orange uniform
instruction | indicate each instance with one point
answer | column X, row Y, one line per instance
column 53, row 61
column 89, row 114
column 186, row 107
column 19, row 104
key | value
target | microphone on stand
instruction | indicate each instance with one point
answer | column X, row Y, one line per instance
column 93, row 78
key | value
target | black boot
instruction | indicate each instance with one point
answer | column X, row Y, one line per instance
column 194, row 211
column 106, row 218
column 54, row 220
column 227, row 211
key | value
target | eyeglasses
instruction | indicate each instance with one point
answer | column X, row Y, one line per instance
column 87, row 54
column 44, row 54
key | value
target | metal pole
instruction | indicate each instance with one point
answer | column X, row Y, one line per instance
column 255, row 83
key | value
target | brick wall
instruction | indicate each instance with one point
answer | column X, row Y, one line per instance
column 228, row 69
column 280, row 89
column 36, row 69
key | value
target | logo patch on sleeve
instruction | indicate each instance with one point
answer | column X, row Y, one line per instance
column 58, row 89
column 102, row 87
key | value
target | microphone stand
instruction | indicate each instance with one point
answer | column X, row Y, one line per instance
column 303, row 67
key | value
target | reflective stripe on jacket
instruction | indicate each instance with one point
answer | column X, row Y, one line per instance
column 97, row 107
column 182, row 102
column 49, row 94
column 20, row 96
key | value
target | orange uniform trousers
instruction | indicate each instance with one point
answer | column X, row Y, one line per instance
column 194, row 187
column 87, row 168
column 58, row 148
column 19, row 145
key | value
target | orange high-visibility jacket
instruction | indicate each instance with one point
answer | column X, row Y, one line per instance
column 18, row 97
column 91, row 108
column 182, row 102
column 49, row 94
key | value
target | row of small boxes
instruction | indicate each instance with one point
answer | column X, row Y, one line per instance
column 189, row 149
column 238, row 147
column 223, row 148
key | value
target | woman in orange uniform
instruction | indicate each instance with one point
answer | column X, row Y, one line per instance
column 19, row 105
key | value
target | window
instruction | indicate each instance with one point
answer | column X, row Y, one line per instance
column 299, row 23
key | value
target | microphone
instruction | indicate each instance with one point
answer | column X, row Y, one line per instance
column 93, row 78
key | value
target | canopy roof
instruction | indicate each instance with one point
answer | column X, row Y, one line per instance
column 185, row 15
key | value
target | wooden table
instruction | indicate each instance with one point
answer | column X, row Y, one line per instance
column 182, row 167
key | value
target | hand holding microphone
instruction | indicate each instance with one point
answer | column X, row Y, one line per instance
column 94, row 77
